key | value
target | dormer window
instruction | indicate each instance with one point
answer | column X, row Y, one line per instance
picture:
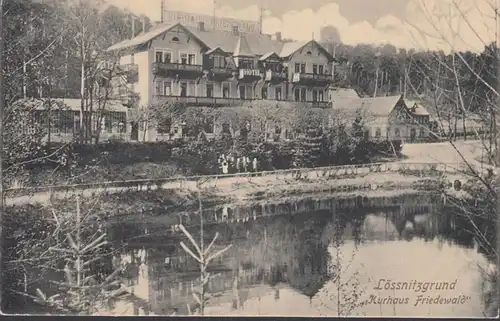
column 218, row 61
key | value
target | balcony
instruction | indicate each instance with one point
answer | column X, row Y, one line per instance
column 312, row 78
column 200, row 101
column 172, row 69
column 249, row 74
column 220, row 73
column 275, row 76
column 192, row 101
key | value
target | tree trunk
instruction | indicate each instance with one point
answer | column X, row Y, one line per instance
column 376, row 81
column 463, row 125
column 82, row 92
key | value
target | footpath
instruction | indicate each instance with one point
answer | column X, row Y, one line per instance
column 240, row 186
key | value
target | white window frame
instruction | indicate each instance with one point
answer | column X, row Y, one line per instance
column 192, row 89
column 222, row 89
column 180, row 88
column 163, row 51
column 162, row 91
column 179, row 61
column 207, row 84
column 195, row 58
column 280, row 87
column 187, row 53
column 171, row 87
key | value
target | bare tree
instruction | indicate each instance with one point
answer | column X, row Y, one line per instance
column 203, row 255
column 467, row 84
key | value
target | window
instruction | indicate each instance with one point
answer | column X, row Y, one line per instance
column 163, row 56
column 378, row 133
column 321, row 95
column 167, row 56
column 210, row 90
column 397, row 132
column 277, row 93
column 309, row 53
column 321, row 69
column 249, row 92
column 218, row 62
column 302, row 94
column 297, row 94
column 191, row 89
column 246, row 64
column 297, row 68
column 175, row 39
column 422, row 132
column 225, row 91
column 183, row 59
column 303, row 68
column 167, row 88
column 192, row 59
column 183, row 92
column 315, row 95
column 315, row 69
column 264, row 92
column 242, row 92
column 158, row 88
column 159, row 56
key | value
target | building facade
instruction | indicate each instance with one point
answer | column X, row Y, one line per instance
column 387, row 118
column 199, row 67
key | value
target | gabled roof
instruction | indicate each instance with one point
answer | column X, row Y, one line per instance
column 269, row 55
column 242, row 44
column 418, row 108
column 380, row 106
column 343, row 93
column 242, row 49
column 290, row 48
column 150, row 35
column 226, row 40
column 216, row 50
column 143, row 37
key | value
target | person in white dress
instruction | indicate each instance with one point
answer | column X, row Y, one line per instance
column 225, row 166
column 254, row 164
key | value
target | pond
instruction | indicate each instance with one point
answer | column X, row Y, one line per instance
column 404, row 256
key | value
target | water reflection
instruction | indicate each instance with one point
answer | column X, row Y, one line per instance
column 311, row 257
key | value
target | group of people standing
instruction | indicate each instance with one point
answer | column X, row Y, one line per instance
column 230, row 164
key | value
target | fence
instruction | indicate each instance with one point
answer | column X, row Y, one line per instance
column 344, row 171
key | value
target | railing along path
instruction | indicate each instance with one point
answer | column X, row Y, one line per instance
column 342, row 171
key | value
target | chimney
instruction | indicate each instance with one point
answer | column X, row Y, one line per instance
column 201, row 26
column 133, row 27
column 144, row 25
column 278, row 36
column 235, row 30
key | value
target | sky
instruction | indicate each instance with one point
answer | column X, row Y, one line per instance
column 421, row 24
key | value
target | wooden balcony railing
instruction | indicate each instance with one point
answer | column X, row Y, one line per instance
column 165, row 67
column 222, row 101
column 274, row 75
column 301, row 77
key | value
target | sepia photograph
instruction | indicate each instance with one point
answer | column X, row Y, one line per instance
column 312, row 158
